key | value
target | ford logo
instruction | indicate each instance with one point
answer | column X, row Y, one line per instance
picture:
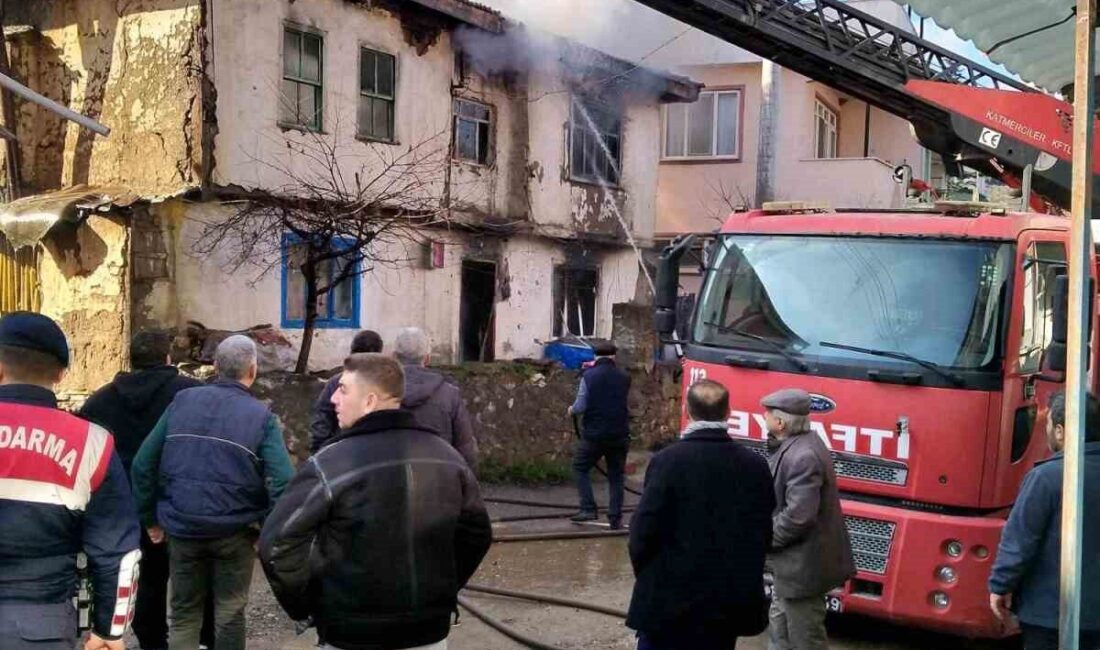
column 821, row 404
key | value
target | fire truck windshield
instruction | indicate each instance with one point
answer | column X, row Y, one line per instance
column 938, row 301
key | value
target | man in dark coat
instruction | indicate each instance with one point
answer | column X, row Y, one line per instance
column 322, row 423
column 434, row 402
column 1025, row 575
column 700, row 535
column 811, row 553
column 605, row 433
column 129, row 407
column 379, row 531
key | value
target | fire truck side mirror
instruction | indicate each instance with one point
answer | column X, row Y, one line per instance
column 668, row 285
column 1057, row 350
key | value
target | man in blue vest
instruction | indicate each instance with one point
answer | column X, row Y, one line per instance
column 605, row 433
column 206, row 477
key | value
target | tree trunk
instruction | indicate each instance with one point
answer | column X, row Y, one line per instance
column 309, row 272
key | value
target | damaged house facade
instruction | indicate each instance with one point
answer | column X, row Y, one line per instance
column 405, row 162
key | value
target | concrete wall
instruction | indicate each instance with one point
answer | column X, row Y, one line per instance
column 125, row 64
column 83, row 272
column 205, row 289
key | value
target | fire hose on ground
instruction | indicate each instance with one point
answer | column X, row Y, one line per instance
column 516, row 635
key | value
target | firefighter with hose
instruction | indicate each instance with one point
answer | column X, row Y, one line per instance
column 602, row 407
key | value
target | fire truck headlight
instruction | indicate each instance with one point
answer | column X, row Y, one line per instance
column 946, row 574
column 953, row 548
column 939, row 600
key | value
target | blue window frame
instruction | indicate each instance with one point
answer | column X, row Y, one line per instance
column 336, row 308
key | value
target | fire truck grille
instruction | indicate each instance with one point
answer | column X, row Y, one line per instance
column 871, row 541
column 852, row 466
column 864, row 471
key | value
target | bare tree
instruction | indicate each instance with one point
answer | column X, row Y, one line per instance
column 723, row 200
column 345, row 213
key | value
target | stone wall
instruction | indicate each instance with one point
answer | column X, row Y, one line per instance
column 519, row 409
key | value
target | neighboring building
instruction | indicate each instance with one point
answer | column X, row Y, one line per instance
column 549, row 157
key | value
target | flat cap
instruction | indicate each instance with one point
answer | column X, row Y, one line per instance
column 789, row 400
column 31, row 331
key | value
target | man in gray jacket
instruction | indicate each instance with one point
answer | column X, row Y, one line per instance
column 434, row 402
column 811, row 553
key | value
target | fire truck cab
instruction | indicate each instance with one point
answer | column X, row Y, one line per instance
column 930, row 340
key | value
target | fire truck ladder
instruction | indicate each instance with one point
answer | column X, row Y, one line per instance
column 870, row 59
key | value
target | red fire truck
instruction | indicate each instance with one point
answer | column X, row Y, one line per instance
column 929, row 337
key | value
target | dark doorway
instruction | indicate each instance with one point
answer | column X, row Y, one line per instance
column 477, row 316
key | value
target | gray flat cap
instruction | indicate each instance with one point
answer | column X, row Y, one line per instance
column 789, row 400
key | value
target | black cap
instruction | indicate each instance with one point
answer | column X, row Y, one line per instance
column 604, row 349
column 31, row 331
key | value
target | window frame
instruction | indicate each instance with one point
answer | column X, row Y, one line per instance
column 823, row 106
column 489, row 136
column 1029, row 357
column 559, row 327
column 738, row 132
column 590, row 102
column 360, row 94
column 323, row 321
column 303, row 31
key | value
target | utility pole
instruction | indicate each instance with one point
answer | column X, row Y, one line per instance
column 1073, row 479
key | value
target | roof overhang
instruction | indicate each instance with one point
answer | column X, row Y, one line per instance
column 1044, row 58
column 26, row 221
column 468, row 12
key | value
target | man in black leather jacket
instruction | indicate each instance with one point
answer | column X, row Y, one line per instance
column 379, row 530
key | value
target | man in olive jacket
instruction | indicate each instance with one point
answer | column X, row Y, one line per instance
column 811, row 553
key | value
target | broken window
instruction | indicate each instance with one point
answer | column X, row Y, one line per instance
column 377, row 83
column 575, row 301
column 595, row 142
column 301, row 88
column 472, row 130
column 825, row 130
column 710, row 127
column 337, row 305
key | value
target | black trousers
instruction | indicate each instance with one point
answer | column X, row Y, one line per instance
column 151, row 609
column 1045, row 638
column 585, row 457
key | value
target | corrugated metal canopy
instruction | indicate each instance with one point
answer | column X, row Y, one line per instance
column 1045, row 58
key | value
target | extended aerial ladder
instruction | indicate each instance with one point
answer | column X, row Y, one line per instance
column 969, row 114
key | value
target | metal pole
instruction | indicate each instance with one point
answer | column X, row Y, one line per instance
column 71, row 115
column 1073, row 491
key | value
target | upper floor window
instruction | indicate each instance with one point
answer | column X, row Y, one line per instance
column 377, row 81
column 337, row 287
column 302, row 70
column 825, row 130
column 473, row 122
column 709, row 127
column 595, row 142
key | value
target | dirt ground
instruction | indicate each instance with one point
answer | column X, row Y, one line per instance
column 596, row 571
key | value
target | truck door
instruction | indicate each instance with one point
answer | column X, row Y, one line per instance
column 1042, row 257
